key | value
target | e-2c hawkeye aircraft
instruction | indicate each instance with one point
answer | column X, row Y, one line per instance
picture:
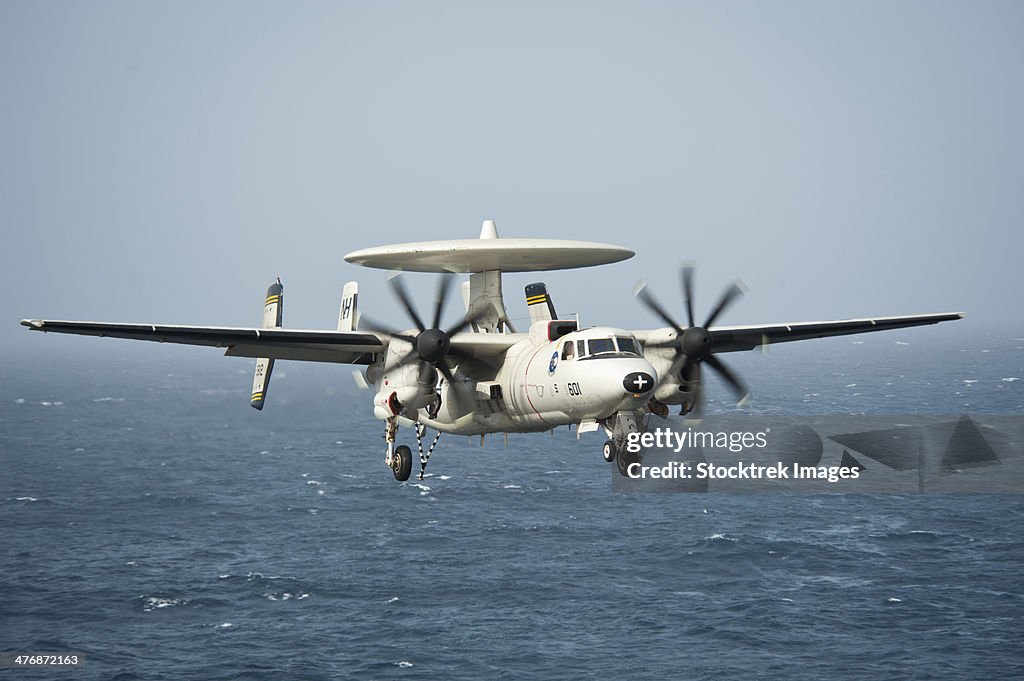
column 481, row 375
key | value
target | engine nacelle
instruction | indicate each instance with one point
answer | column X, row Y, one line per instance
column 401, row 390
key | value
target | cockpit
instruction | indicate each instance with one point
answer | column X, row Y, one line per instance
column 590, row 348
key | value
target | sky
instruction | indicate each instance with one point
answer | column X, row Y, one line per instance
column 164, row 162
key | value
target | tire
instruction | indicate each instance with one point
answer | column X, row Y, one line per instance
column 402, row 466
column 623, row 461
column 609, row 451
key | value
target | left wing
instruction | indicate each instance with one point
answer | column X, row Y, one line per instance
column 345, row 347
column 312, row 346
column 736, row 338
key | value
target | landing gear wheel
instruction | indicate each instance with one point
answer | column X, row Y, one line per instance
column 623, row 461
column 401, row 463
column 609, row 451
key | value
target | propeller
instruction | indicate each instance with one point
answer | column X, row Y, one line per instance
column 431, row 346
column 695, row 344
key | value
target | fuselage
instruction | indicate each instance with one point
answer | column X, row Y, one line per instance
column 583, row 375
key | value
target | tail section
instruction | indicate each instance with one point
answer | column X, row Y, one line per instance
column 348, row 314
column 273, row 311
column 539, row 303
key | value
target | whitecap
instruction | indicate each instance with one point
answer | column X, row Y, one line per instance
column 313, row 482
column 26, row 499
column 720, row 536
column 109, row 399
column 1010, row 379
column 894, row 600
column 901, row 343
column 970, row 381
column 226, row 625
column 404, row 664
column 20, row 400
column 151, row 603
column 393, row 599
column 225, row 576
column 511, row 487
column 444, row 477
column 851, row 385
column 424, row 490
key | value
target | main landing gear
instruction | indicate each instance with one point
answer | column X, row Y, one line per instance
column 399, row 459
column 401, row 463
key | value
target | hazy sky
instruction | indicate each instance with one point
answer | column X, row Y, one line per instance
column 165, row 161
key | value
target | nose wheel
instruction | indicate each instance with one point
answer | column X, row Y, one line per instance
column 609, row 451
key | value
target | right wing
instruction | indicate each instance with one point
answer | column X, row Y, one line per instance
column 739, row 338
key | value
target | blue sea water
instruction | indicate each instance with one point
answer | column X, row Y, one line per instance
column 154, row 523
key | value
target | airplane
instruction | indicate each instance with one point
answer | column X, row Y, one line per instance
column 481, row 376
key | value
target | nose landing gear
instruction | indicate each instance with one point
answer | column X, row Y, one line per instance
column 609, row 452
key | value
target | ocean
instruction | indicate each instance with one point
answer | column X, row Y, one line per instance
column 160, row 528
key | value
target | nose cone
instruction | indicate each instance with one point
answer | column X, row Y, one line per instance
column 638, row 383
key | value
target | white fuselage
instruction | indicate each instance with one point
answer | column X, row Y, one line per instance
column 544, row 384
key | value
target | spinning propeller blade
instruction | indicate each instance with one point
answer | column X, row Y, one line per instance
column 694, row 344
column 431, row 346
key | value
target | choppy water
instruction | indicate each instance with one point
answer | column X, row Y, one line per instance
column 155, row 523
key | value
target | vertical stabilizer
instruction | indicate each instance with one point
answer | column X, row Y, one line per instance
column 273, row 311
column 348, row 319
column 538, row 302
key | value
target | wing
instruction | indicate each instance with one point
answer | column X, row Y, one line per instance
column 346, row 347
column 311, row 346
column 736, row 338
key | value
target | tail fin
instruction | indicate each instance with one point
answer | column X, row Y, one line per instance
column 539, row 303
column 348, row 314
column 273, row 312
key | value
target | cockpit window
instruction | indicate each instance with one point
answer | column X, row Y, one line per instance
column 569, row 350
column 627, row 345
column 599, row 345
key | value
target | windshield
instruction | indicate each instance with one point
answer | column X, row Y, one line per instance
column 599, row 345
column 627, row 345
